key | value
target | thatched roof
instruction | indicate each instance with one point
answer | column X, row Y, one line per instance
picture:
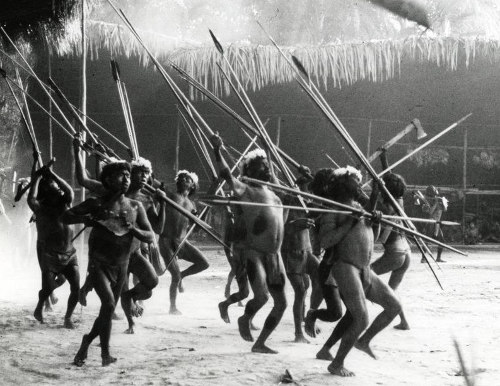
column 335, row 40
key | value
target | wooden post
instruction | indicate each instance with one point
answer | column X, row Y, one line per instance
column 177, row 144
column 369, row 142
column 278, row 132
column 464, row 184
column 83, row 107
column 51, row 138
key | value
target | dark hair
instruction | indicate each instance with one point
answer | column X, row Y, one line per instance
column 193, row 188
column 113, row 168
column 395, row 184
column 321, row 181
column 251, row 163
column 431, row 191
column 344, row 187
column 44, row 188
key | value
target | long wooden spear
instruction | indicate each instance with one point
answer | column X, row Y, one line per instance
column 357, row 211
column 313, row 92
column 248, row 127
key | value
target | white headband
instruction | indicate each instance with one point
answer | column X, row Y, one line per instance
column 347, row 170
column 251, row 156
column 142, row 162
column 191, row 175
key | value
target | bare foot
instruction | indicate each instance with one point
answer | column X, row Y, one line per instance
column 365, row 348
column 324, row 354
column 174, row 311
column 402, row 326
column 68, row 323
column 129, row 330
column 440, row 261
column 81, row 355
column 339, row 369
column 244, row 328
column 53, row 299
column 300, row 339
column 48, row 306
column 136, row 310
column 223, row 312
column 82, row 297
column 38, row 314
column 107, row 360
column 181, row 287
column 309, row 327
column 263, row 349
column 116, row 316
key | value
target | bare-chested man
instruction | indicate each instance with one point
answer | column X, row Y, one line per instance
column 330, row 292
column 259, row 240
column 174, row 231
column 352, row 242
column 49, row 197
column 145, row 277
column 116, row 221
column 299, row 260
column 397, row 252
column 434, row 206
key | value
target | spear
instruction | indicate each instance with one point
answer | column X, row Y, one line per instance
column 129, row 124
column 451, row 127
column 219, row 189
column 357, row 211
column 312, row 91
column 248, row 127
column 247, row 104
column 2, row 71
column 210, row 199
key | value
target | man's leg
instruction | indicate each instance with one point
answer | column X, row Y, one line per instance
column 257, row 278
column 277, row 291
column 312, row 270
column 48, row 285
column 102, row 324
column 167, row 253
column 142, row 269
column 73, row 275
column 394, row 282
column 240, row 272
column 383, row 295
column 333, row 302
column 299, row 289
column 351, row 288
column 194, row 256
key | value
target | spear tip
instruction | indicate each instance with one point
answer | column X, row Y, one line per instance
column 216, row 42
column 299, row 65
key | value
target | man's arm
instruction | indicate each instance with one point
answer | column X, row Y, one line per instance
column 69, row 195
column 82, row 177
column 81, row 213
column 157, row 217
column 143, row 231
column 333, row 228
column 224, row 171
column 33, row 203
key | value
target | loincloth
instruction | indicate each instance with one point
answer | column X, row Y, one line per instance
column 55, row 261
column 295, row 260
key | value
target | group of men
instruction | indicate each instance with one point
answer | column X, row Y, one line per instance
column 130, row 217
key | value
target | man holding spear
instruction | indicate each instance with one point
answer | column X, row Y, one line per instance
column 173, row 233
column 259, row 241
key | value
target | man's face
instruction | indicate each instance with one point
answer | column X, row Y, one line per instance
column 259, row 169
column 119, row 181
column 184, row 183
column 140, row 176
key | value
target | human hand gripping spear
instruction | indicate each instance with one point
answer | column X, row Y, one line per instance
column 312, row 91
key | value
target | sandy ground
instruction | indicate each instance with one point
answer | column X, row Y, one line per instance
column 198, row 348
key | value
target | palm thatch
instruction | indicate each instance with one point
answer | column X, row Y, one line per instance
column 334, row 40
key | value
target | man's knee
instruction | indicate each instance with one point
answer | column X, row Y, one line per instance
column 261, row 298
column 394, row 306
column 108, row 307
column 204, row 264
